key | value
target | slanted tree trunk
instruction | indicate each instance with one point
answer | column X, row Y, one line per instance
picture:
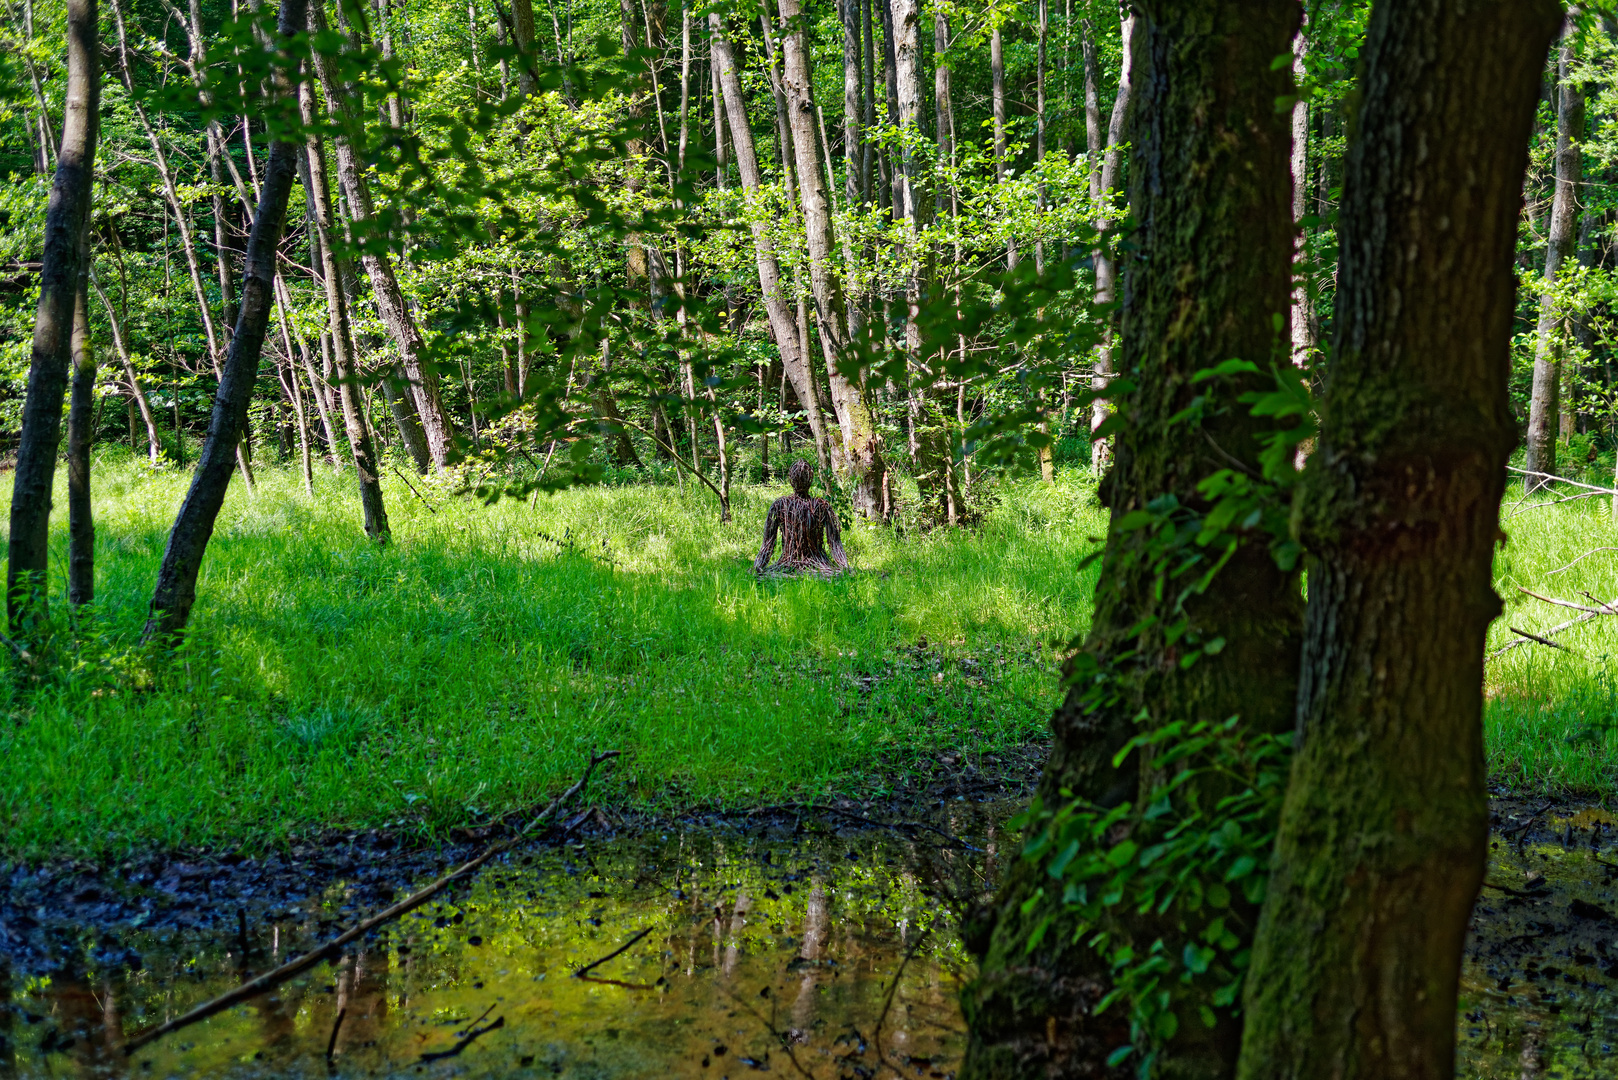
column 422, row 382
column 137, row 396
column 1384, row 833
column 777, row 307
column 341, row 336
column 81, row 529
column 66, row 219
column 1204, row 281
column 1543, row 404
column 862, row 466
column 1104, row 159
column 193, row 526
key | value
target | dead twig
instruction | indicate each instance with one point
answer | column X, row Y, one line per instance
column 331, row 1043
column 1575, row 562
column 625, row 947
column 1561, row 603
column 413, row 490
column 1562, row 480
column 1557, row 629
column 271, row 979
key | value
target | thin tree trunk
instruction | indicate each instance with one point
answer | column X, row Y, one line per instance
column 137, row 396
column 1039, row 136
column 890, row 77
column 1385, row 829
column 522, row 28
column 428, row 404
column 66, row 219
column 1102, row 183
column 862, row 464
column 1209, row 147
column 1303, row 344
column 852, row 152
column 284, row 299
column 342, row 342
column 188, row 540
column 81, row 529
column 1564, row 230
column 295, row 391
column 783, row 322
column 997, row 69
column 868, row 100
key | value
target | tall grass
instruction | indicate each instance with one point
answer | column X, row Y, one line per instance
column 1551, row 721
column 469, row 667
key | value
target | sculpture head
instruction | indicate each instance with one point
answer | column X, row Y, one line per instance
column 799, row 476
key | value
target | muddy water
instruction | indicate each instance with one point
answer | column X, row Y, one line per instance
column 794, row 947
column 774, row 951
column 1539, row 987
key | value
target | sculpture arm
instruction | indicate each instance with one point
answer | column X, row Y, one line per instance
column 834, row 539
column 772, row 526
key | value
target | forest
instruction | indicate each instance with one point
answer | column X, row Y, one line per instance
column 1191, row 430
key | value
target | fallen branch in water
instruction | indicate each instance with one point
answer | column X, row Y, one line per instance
column 271, row 979
column 472, row 1035
column 625, row 947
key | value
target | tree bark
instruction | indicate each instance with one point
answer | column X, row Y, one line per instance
column 997, row 73
column 137, row 396
column 342, row 340
column 1103, row 181
column 782, row 319
column 1207, row 275
column 1564, row 230
column 862, row 466
column 1384, row 833
column 81, row 529
column 193, row 526
column 427, row 403
column 66, row 219
column 1301, row 322
column 852, row 106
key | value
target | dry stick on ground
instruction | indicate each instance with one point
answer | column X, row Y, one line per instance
column 270, row 979
column 1559, row 501
column 1564, row 603
column 1558, row 628
column 1580, row 559
column 1536, row 637
column 1561, row 480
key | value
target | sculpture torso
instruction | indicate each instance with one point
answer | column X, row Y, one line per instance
column 805, row 526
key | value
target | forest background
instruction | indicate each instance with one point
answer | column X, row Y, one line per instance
column 539, row 264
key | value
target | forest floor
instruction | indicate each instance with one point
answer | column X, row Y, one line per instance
column 469, row 668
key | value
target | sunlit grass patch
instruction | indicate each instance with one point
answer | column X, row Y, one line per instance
column 469, row 668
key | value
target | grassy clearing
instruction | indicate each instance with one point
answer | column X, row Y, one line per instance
column 1551, row 722
column 470, row 667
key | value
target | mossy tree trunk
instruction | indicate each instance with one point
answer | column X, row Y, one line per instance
column 66, row 218
column 1206, row 279
column 1383, row 835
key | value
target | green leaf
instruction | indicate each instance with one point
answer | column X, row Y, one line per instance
column 1197, row 958
column 1120, row 1055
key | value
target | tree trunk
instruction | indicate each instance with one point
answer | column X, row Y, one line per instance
column 890, row 75
column 1302, row 340
column 342, row 341
column 522, row 28
column 188, row 540
column 1542, row 405
column 783, row 321
column 1206, row 277
column 862, row 464
column 66, row 219
column 427, row 404
column 1102, row 183
column 81, row 529
column 997, row 72
column 1039, row 138
column 137, row 396
column 295, row 391
column 852, row 108
column 1384, row 834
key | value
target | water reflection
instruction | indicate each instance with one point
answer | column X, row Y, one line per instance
column 764, row 953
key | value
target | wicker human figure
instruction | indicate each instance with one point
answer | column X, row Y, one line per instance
column 806, row 526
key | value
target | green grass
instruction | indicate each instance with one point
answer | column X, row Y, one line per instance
column 1549, row 722
column 470, row 667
